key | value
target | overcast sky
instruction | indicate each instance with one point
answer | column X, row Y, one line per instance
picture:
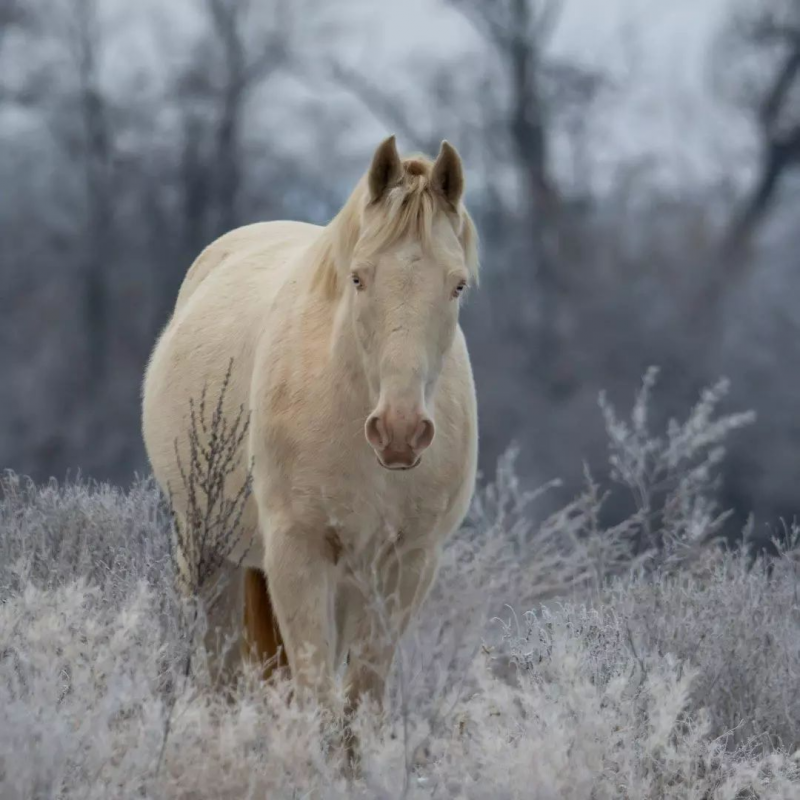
column 658, row 53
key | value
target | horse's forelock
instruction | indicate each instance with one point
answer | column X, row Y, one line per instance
column 407, row 210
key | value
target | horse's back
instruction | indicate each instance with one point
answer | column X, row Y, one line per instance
column 216, row 325
column 261, row 239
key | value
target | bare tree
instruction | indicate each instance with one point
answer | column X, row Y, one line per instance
column 772, row 31
column 519, row 32
column 80, row 120
column 245, row 44
column 242, row 45
column 542, row 90
column 12, row 13
column 95, row 116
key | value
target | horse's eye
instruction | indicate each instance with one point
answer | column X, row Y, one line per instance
column 459, row 289
column 357, row 282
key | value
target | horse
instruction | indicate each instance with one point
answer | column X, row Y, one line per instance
column 343, row 346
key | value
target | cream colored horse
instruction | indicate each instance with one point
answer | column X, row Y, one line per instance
column 348, row 356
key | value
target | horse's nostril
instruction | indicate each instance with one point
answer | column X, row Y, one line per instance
column 423, row 436
column 376, row 432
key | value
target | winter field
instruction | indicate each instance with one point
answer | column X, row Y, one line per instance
column 557, row 657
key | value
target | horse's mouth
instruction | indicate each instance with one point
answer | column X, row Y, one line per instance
column 399, row 467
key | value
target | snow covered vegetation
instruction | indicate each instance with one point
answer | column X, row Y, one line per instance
column 560, row 654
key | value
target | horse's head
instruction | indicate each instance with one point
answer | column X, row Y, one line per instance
column 414, row 258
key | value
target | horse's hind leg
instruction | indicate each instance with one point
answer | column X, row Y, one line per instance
column 262, row 641
column 221, row 596
column 223, row 632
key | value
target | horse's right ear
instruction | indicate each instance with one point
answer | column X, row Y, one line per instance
column 386, row 170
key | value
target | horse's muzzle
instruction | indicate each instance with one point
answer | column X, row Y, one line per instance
column 399, row 436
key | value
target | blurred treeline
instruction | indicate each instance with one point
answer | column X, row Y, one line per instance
column 131, row 135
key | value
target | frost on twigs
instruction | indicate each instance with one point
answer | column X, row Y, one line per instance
column 673, row 479
column 208, row 528
column 619, row 681
column 518, row 555
column 206, row 532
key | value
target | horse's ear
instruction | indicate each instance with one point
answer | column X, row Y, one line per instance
column 447, row 177
column 386, row 169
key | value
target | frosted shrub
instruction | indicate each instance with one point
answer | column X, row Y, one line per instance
column 672, row 479
column 51, row 534
column 558, row 656
column 595, row 710
column 518, row 557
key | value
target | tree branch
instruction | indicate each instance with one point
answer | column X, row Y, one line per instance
column 382, row 107
column 777, row 96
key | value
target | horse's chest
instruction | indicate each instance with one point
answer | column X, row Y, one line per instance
column 377, row 513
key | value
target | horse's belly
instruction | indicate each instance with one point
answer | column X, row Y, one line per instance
column 248, row 550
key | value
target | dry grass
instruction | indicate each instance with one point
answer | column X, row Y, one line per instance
column 637, row 661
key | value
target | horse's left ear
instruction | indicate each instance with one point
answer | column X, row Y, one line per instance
column 447, row 177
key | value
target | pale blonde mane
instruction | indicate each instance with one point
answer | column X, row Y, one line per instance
column 408, row 210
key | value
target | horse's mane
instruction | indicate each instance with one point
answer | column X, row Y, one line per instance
column 408, row 210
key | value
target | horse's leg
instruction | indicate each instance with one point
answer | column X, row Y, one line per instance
column 223, row 617
column 262, row 641
column 377, row 621
column 300, row 574
column 221, row 596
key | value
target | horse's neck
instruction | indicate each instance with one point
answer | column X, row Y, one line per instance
column 345, row 358
column 326, row 306
column 329, row 319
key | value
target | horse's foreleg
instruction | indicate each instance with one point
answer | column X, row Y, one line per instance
column 299, row 573
column 393, row 595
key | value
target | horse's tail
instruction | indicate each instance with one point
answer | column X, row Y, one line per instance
column 262, row 636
